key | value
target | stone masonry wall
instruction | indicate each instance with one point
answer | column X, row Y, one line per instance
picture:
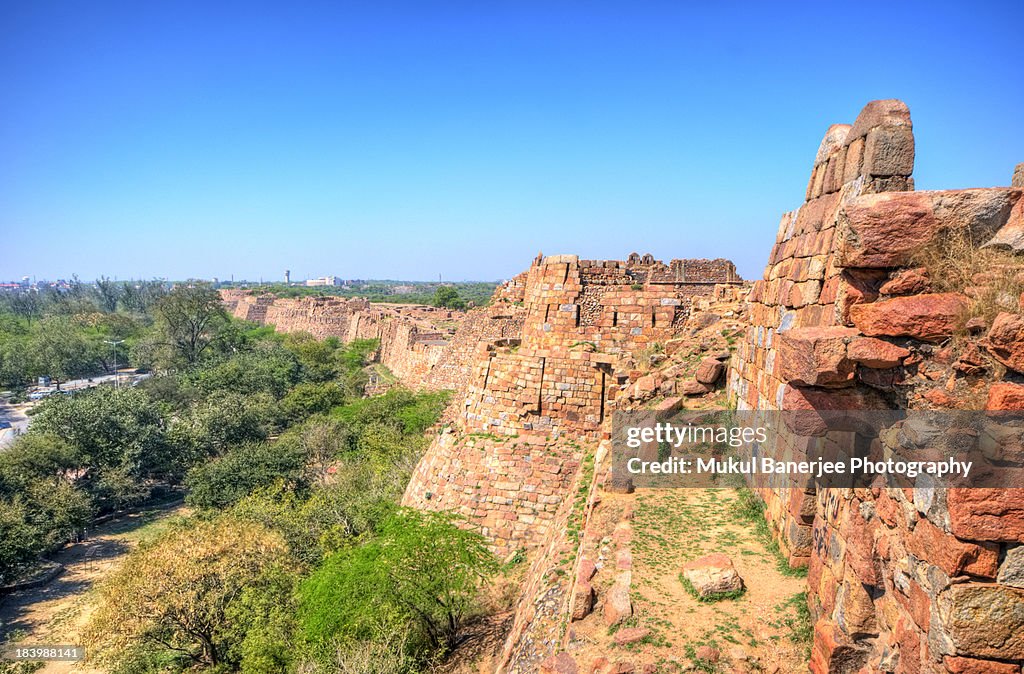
column 416, row 343
column 847, row 317
column 534, row 399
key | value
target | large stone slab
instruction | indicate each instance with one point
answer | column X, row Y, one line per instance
column 713, row 576
column 816, row 356
column 888, row 229
column 984, row 620
column 931, row 317
column 1005, row 340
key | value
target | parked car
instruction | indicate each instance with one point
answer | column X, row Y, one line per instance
column 44, row 381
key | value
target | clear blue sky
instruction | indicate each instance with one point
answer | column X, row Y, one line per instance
column 408, row 140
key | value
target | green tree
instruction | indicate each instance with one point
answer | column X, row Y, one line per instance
column 316, row 357
column 220, row 420
column 267, row 368
column 19, row 540
column 116, row 431
column 223, row 481
column 420, row 570
column 60, row 349
column 309, row 398
column 109, row 293
column 448, row 297
column 189, row 318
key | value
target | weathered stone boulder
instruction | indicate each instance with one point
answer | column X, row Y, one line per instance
column 1011, row 235
column 930, row 317
column 631, row 635
column 816, row 356
column 582, row 601
column 1005, row 340
column 712, row 575
column 617, row 605
column 560, row 663
column 691, row 387
column 888, row 229
column 876, row 353
column 709, row 371
column 1005, row 396
column 708, row 654
column 984, row 620
column 907, row 282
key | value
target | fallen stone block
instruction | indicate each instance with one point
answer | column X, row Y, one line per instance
column 713, row 576
column 1005, row 340
column 907, row 282
column 1005, row 396
column 709, row 371
column 691, row 387
column 560, row 663
column 631, row 635
column 617, row 605
column 708, row 654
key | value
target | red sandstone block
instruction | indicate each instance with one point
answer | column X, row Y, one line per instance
column 987, row 514
column 928, row 317
column 1005, row 396
column 909, row 638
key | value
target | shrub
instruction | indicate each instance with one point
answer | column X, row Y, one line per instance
column 225, row 480
column 420, row 572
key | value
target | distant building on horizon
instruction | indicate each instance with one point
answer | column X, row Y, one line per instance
column 323, row 281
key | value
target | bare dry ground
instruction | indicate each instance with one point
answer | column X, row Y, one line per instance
column 58, row 611
column 766, row 629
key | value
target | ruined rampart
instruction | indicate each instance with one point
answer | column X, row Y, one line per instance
column 537, row 397
column 860, row 308
column 419, row 344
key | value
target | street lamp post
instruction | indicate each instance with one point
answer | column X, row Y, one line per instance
column 113, row 347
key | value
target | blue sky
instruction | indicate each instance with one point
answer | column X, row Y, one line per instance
column 412, row 140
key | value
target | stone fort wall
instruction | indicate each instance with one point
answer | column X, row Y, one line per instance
column 845, row 317
column 536, row 399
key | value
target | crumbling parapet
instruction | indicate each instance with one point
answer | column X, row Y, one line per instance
column 847, row 317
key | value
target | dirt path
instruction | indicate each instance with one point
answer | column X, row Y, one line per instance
column 766, row 629
column 57, row 612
